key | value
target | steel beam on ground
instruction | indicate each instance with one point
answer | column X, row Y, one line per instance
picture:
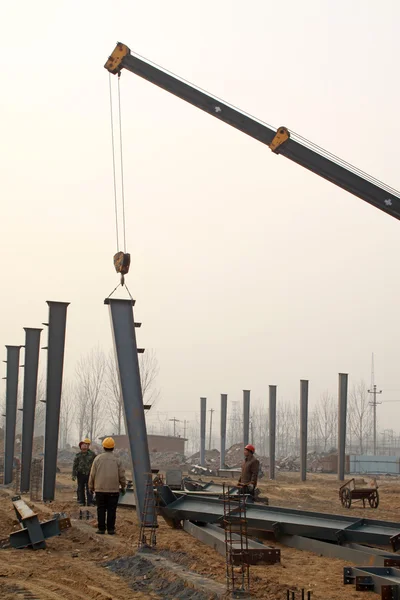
column 355, row 553
column 32, row 347
column 384, row 580
column 11, row 410
column 203, row 416
column 214, row 536
column 342, row 416
column 303, row 428
column 285, row 521
column 55, row 365
column 272, row 430
column 246, row 416
column 224, row 404
column 124, row 335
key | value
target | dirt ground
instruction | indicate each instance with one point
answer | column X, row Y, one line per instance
column 76, row 565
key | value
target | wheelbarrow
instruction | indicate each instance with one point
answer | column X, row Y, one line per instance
column 349, row 493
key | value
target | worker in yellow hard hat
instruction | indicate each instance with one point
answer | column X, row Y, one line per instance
column 80, row 470
column 107, row 479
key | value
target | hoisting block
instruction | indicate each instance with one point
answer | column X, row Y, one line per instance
column 33, row 533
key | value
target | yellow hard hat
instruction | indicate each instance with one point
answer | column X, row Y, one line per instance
column 87, row 441
column 108, row 443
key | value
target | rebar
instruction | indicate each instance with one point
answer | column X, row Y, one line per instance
column 17, row 476
column 236, row 548
column 36, row 480
column 148, row 522
column 2, row 468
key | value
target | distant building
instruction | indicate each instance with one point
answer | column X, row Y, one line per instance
column 157, row 443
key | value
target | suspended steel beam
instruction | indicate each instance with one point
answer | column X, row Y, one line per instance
column 55, row 366
column 303, row 428
column 11, row 410
column 224, row 404
column 32, row 346
column 343, row 380
column 246, row 416
column 203, row 416
column 124, row 335
column 272, row 430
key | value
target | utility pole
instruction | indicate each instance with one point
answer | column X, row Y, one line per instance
column 374, row 404
column 374, row 393
column 174, row 422
column 209, row 441
column 184, row 428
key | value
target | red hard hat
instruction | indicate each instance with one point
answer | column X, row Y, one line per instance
column 250, row 447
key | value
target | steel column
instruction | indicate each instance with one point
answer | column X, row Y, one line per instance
column 124, row 335
column 32, row 346
column 203, row 416
column 55, row 366
column 342, row 416
column 246, row 416
column 11, row 410
column 303, row 427
column 272, row 430
column 224, row 403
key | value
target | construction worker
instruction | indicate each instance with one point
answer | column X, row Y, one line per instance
column 107, row 480
column 249, row 475
column 80, row 471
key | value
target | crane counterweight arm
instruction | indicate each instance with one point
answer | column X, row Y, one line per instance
column 280, row 141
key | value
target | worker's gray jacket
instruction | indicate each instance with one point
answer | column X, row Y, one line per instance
column 107, row 474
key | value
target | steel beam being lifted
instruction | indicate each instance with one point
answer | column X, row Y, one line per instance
column 55, row 366
column 32, row 347
column 11, row 410
column 124, row 335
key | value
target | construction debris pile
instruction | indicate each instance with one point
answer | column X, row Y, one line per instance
column 159, row 460
column 211, row 459
column 317, row 462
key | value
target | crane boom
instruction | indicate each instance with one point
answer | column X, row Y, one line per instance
column 280, row 141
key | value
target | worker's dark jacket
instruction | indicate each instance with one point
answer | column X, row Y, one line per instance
column 83, row 463
column 250, row 469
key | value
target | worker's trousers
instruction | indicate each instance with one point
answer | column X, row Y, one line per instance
column 106, row 510
column 84, row 495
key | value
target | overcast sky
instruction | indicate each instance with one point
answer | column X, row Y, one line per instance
column 247, row 269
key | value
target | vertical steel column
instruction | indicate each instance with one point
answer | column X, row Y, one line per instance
column 272, row 430
column 224, row 403
column 123, row 328
column 203, row 416
column 55, row 366
column 303, row 427
column 11, row 410
column 343, row 379
column 32, row 346
column 246, row 416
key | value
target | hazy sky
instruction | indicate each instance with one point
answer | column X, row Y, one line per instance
column 247, row 269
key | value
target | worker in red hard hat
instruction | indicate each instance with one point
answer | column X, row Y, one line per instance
column 249, row 475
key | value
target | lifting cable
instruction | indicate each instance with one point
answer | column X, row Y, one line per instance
column 121, row 258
